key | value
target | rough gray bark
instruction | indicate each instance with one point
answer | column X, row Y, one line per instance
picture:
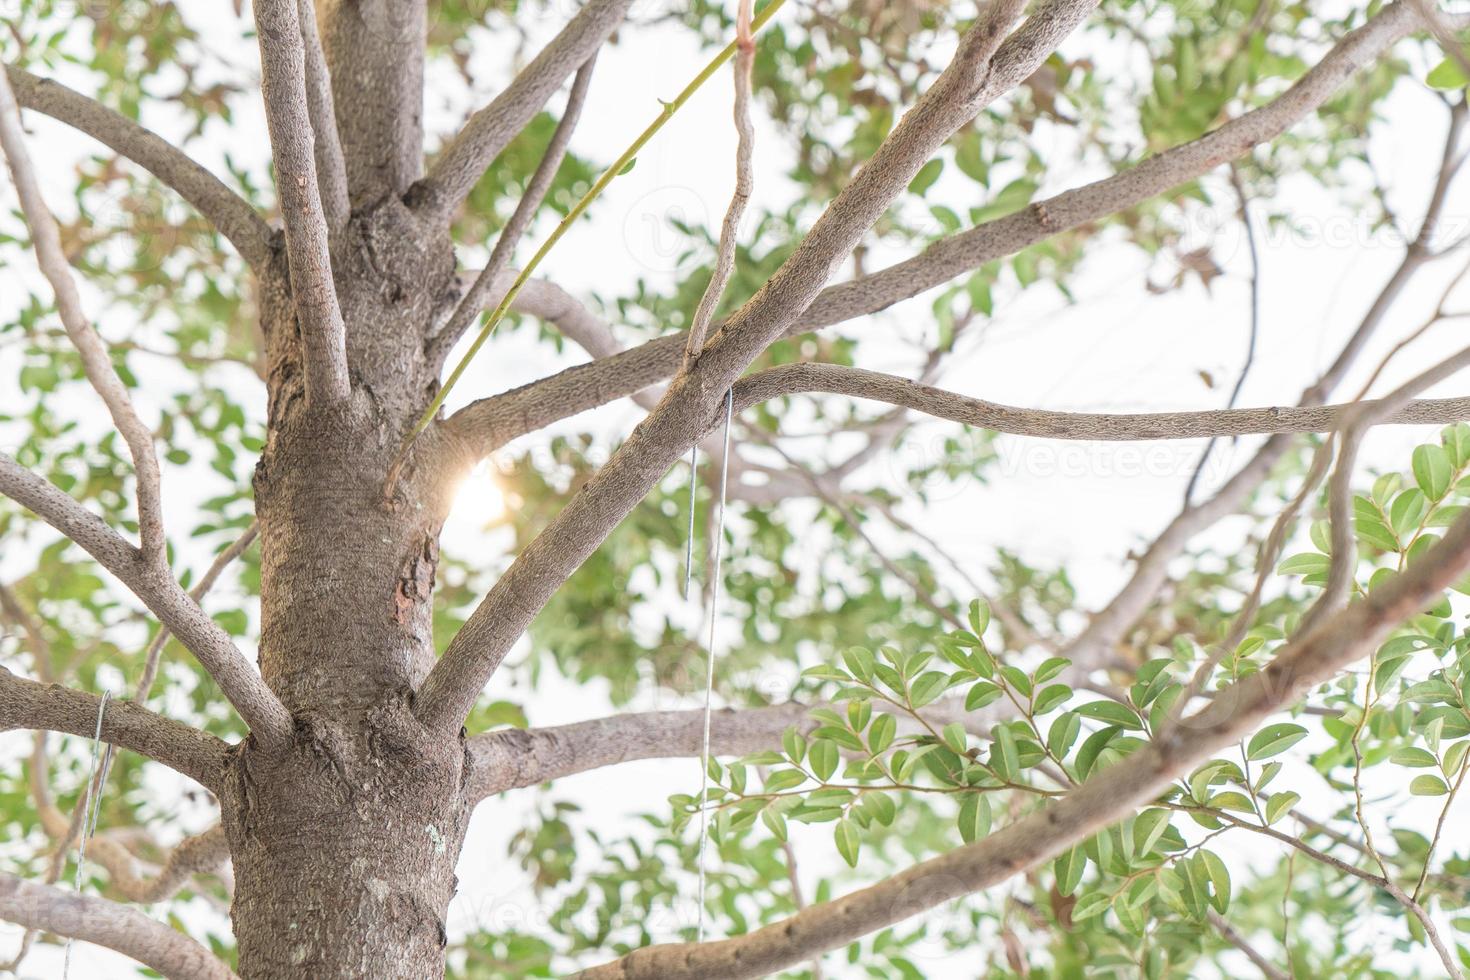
column 345, row 808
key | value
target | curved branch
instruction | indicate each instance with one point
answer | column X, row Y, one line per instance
column 491, row 129
column 836, row 379
column 1099, row 801
column 27, row 704
column 109, row 924
column 331, row 165
column 987, row 64
column 293, row 148
column 488, row 281
column 232, row 215
column 96, row 361
column 589, row 386
column 156, row 587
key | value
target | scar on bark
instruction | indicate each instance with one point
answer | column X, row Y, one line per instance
column 416, row 579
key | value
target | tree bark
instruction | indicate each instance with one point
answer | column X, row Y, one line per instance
column 344, row 841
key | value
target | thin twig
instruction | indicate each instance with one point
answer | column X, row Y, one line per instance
column 556, row 150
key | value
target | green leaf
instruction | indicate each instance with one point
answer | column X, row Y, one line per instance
column 1111, row 713
column 1433, row 470
column 1219, row 876
column 982, row 693
column 784, row 779
column 823, row 758
column 1446, row 76
column 1273, row 740
column 775, row 822
column 1428, row 785
column 1148, row 827
column 955, row 738
column 846, row 836
column 1412, row 755
column 1050, row 698
column 979, row 616
column 1279, row 804
column 794, row 745
column 1093, row 903
column 926, row 177
column 881, row 733
column 1068, row 869
column 974, row 817
column 1306, row 563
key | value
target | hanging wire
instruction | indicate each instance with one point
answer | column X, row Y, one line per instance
column 91, row 805
column 709, row 679
column 689, row 538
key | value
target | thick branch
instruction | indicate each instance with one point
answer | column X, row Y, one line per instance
column 488, row 131
column 982, row 69
column 1098, row 802
column 513, row 758
column 331, row 166
column 96, row 361
column 375, row 51
column 836, row 379
column 283, row 85
column 211, row 645
column 109, row 924
column 588, row 386
column 222, row 207
column 29, row 705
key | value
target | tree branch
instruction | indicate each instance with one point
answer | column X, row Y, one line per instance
column 1096, row 803
column 283, row 85
column 109, row 924
column 588, row 386
column 96, row 362
column 331, row 166
column 986, row 65
column 156, row 587
column 513, row 758
column 489, row 279
column 232, row 215
column 489, row 130
column 375, row 52
column 835, row 379
column 50, row 707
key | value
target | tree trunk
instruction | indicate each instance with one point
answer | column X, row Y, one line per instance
column 345, row 843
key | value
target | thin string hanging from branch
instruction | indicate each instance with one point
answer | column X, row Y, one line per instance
column 91, row 804
column 703, row 314
column 709, row 676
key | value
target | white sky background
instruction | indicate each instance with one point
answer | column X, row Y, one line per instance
column 1117, row 349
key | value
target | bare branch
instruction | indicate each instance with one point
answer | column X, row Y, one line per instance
column 489, row 130
column 222, row 207
column 744, row 185
column 488, row 280
column 1096, row 803
column 206, row 582
column 1268, row 969
column 967, row 250
column 587, row 386
column 95, row 360
column 109, row 924
column 331, row 166
column 514, row 758
column 837, row 379
column 283, row 85
column 986, row 65
column 211, row 645
column 50, row 707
